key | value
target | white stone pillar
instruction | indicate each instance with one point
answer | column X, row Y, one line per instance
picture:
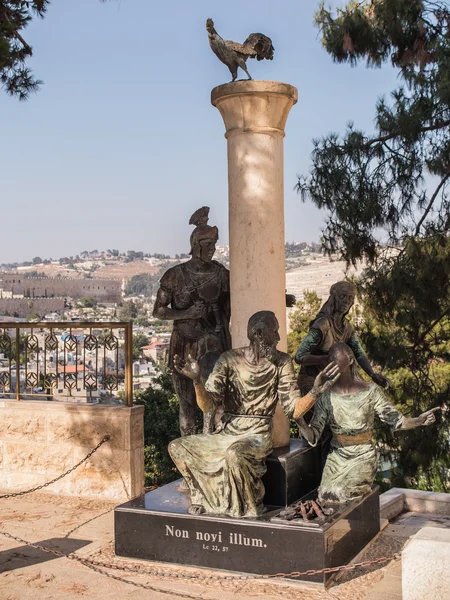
column 255, row 114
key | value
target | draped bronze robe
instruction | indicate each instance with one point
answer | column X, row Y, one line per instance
column 350, row 470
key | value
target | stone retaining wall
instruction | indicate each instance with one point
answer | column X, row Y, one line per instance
column 39, row 440
column 21, row 307
column 106, row 290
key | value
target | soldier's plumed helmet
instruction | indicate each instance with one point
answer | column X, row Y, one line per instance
column 203, row 232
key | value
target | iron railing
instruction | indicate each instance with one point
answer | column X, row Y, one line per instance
column 64, row 359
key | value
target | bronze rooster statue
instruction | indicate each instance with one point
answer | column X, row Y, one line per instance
column 234, row 55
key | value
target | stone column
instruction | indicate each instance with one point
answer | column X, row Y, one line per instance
column 255, row 114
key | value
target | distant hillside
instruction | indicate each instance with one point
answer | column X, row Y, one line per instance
column 104, row 269
column 306, row 267
column 318, row 273
column 122, row 270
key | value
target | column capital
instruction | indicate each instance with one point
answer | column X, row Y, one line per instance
column 254, row 106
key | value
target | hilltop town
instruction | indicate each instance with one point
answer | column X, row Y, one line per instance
column 95, row 284
column 110, row 286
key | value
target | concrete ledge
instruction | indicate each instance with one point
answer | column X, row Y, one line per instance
column 54, row 405
column 392, row 503
column 426, row 565
column 397, row 500
column 40, row 440
column 427, row 502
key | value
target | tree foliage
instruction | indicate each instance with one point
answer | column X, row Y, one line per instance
column 139, row 340
column 143, row 284
column 33, row 317
column 373, row 182
column 15, row 77
column 161, row 426
column 300, row 318
column 133, row 255
column 128, row 311
column 391, row 186
column 15, row 15
column 88, row 302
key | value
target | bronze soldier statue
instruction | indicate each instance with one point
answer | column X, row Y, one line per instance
column 195, row 295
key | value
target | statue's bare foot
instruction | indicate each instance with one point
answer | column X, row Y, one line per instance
column 196, row 509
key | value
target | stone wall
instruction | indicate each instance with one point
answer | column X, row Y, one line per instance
column 39, row 440
column 21, row 307
column 108, row 290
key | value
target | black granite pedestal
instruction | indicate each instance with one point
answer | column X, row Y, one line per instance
column 292, row 472
column 157, row 527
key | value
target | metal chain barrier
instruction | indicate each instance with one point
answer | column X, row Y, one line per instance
column 105, row 439
column 194, row 576
column 93, row 565
column 98, row 566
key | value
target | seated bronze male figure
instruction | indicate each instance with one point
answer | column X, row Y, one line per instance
column 224, row 470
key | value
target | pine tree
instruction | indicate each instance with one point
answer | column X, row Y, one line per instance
column 129, row 311
column 393, row 186
column 15, row 77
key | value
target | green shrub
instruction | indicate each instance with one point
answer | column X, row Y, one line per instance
column 161, row 426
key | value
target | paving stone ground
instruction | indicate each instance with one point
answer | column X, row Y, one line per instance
column 86, row 527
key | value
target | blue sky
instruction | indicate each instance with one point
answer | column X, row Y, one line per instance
column 122, row 144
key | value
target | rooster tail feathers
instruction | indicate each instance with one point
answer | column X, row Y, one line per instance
column 261, row 45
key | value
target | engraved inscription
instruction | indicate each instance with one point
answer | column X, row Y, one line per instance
column 178, row 533
column 234, row 539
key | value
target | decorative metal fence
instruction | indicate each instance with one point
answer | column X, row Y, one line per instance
column 66, row 360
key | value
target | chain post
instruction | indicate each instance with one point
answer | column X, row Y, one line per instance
column 129, row 364
column 17, row 364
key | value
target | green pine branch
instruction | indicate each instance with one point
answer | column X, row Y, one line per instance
column 387, row 199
